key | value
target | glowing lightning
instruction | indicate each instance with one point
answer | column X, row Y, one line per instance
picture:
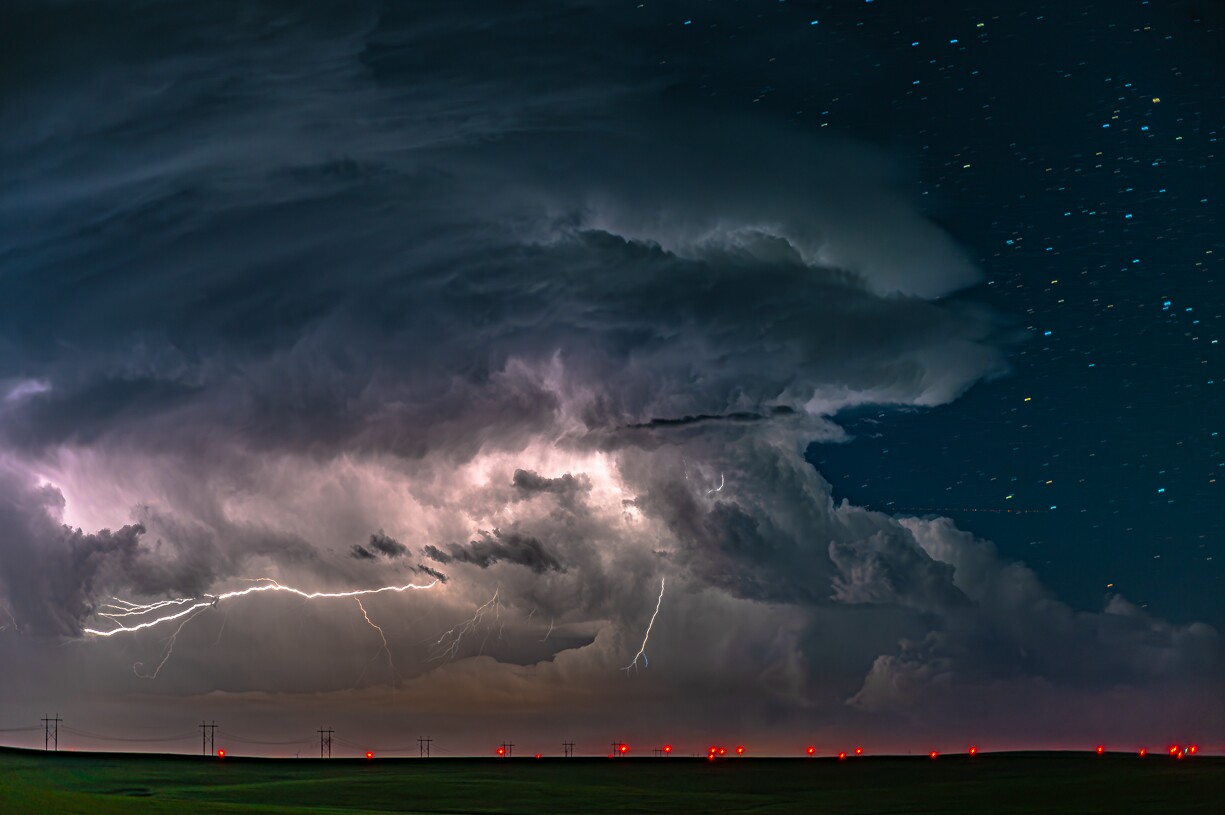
column 718, row 488
column 382, row 636
column 449, row 642
column 208, row 600
column 642, row 651
column 169, row 650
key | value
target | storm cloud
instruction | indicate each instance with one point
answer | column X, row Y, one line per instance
column 313, row 271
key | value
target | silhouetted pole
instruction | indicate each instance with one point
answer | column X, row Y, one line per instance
column 207, row 737
column 325, row 741
column 51, row 732
column 568, row 747
column 423, row 748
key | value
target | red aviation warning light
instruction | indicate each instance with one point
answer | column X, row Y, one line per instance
column 1143, row 752
column 722, row 751
column 811, row 750
column 1100, row 749
column 973, row 751
column 667, row 749
column 538, row 755
column 1193, row 749
column 221, row 754
column 739, row 750
column 501, row 751
column 369, row 755
column 841, row 756
column 932, row 755
column 623, row 748
column 859, row 751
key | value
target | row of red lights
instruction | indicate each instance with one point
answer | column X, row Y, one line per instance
column 1176, row 750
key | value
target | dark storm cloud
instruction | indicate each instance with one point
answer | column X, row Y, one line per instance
column 380, row 544
column 290, row 268
column 387, row 546
column 493, row 547
column 434, row 573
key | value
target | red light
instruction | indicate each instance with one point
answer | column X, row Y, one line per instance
column 722, row 751
column 667, row 748
column 932, row 754
column 1173, row 749
column 739, row 751
column 624, row 748
column 1143, row 752
column 369, row 755
column 811, row 749
column 713, row 750
column 502, row 751
column 538, row 755
column 1100, row 749
column 610, row 755
column 221, row 754
column 842, row 755
column 1181, row 754
column 859, row 751
column 1193, row 749
column 973, row 751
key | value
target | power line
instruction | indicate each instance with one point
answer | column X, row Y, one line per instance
column 325, row 741
column 49, row 734
column 207, row 737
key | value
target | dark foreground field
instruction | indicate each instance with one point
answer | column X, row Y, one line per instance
column 101, row 783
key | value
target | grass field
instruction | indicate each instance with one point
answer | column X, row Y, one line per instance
column 104, row 783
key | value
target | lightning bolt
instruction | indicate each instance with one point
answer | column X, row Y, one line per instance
column 128, row 609
column 718, row 488
column 550, row 631
column 642, row 651
column 382, row 636
column 448, row 643
column 169, row 650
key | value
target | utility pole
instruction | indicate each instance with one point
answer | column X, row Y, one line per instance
column 423, row 748
column 614, row 749
column 51, row 732
column 508, row 748
column 207, row 737
column 325, row 741
column 568, row 747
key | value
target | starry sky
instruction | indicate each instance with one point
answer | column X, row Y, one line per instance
column 778, row 372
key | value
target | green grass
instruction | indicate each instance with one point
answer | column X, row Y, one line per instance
column 103, row 783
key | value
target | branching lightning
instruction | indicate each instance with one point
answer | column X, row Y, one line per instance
column 448, row 643
column 169, row 649
column 128, row 609
column 382, row 636
column 642, row 651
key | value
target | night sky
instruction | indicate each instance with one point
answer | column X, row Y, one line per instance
column 767, row 372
